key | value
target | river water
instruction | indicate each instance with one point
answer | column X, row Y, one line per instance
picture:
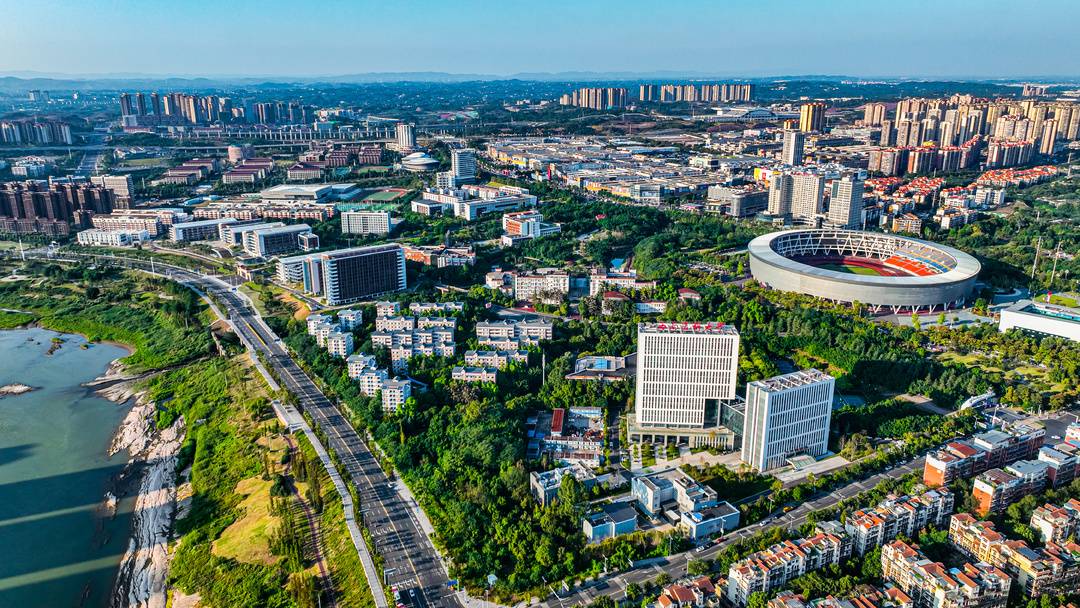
column 57, row 547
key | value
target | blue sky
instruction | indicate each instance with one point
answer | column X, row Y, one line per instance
column 735, row 37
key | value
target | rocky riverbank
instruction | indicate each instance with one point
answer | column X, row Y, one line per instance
column 145, row 566
column 142, row 578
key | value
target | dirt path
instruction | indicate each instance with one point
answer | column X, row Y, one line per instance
column 315, row 536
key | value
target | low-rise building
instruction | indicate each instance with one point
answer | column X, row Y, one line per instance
column 773, row 567
column 474, row 374
column 962, row 459
column 548, row 284
column 996, row 489
column 497, row 359
column 609, row 520
column 931, row 585
column 96, row 237
column 545, row 485
column 709, row 521
column 603, row 368
column 1056, row 524
column 898, row 516
column 350, row 319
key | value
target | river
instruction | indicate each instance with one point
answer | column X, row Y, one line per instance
column 57, row 546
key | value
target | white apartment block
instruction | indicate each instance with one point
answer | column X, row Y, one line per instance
column 775, row 566
column 387, row 309
column 429, row 322
column 350, row 319
column 474, row 374
column 395, row 323
column 427, row 308
column 339, row 344
column 357, row 363
column 600, row 282
column 495, row 358
column 898, row 516
column 520, row 332
column 395, row 392
column 543, row 281
column 684, row 372
column 786, row 416
column 366, row 222
column 322, row 332
column 315, row 319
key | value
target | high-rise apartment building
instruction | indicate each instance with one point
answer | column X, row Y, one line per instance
column 785, row 416
column 807, row 195
column 846, row 202
column 780, row 187
column 874, row 114
column 685, row 372
column 812, row 117
column 126, row 107
column 794, row 143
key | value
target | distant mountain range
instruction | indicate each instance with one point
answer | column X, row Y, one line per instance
column 13, row 81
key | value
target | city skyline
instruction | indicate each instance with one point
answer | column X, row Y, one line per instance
column 776, row 38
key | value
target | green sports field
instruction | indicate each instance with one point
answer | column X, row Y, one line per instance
column 851, row 269
column 383, row 195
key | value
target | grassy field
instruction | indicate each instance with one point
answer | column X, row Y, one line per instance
column 1036, row 375
column 851, row 269
column 247, row 539
column 1067, row 299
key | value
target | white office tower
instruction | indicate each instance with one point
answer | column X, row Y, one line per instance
column 685, row 371
column 846, row 202
column 405, row 137
column 807, row 194
column 463, row 165
column 794, row 143
column 787, row 416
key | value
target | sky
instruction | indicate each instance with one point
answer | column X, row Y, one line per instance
column 916, row 38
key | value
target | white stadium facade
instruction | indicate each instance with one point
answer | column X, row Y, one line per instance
column 881, row 271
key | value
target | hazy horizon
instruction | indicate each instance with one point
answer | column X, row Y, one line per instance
column 273, row 39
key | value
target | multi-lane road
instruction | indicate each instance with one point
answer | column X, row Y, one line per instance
column 411, row 564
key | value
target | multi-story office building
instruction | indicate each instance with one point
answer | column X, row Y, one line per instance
column 203, row 230
column 405, row 137
column 846, row 202
column 96, row 237
column 463, row 165
column 931, row 585
column 367, row 222
column 685, row 371
column 786, row 416
column 794, row 143
column 737, row 201
column 812, row 117
column 269, row 241
column 347, row 275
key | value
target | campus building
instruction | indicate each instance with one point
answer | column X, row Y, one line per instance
column 786, row 416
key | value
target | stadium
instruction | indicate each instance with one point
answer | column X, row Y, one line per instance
column 882, row 271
